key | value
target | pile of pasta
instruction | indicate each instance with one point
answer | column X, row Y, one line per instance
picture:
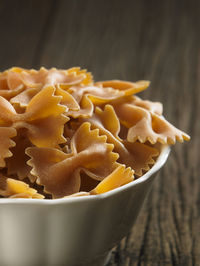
column 62, row 134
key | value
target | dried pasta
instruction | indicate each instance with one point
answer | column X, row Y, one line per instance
column 64, row 135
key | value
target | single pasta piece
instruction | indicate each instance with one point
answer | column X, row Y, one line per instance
column 117, row 178
column 138, row 156
column 146, row 125
column 18, row 189
column 130, row 88
column 44, row 118
column 59, row 172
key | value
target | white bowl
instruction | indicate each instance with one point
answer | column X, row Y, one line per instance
column 72, row 231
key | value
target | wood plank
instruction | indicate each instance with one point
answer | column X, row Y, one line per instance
column 21, row 28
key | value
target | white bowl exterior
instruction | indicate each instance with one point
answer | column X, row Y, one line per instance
column 71, row 231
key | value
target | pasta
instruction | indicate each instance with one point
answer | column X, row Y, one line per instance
column 64, row 135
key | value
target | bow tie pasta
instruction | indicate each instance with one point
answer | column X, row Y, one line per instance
column 63, row 135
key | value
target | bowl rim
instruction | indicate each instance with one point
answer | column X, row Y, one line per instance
column 161, row 160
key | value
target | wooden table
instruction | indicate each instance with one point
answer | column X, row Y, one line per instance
column 130, row 40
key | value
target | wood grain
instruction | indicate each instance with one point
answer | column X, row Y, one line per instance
column 131, row 40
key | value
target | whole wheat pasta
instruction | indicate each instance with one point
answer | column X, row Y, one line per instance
column 64, row 135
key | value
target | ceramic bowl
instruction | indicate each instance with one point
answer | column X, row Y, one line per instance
column 72, row 231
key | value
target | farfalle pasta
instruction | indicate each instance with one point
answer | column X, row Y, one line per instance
column 64, row 135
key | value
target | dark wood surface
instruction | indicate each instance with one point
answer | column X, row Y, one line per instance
column 131, row 40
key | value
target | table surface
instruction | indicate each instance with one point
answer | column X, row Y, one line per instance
column 131, row 40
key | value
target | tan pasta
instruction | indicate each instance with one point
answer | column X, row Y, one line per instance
column 68, row 136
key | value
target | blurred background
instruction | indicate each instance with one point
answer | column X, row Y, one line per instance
column 130, row 40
